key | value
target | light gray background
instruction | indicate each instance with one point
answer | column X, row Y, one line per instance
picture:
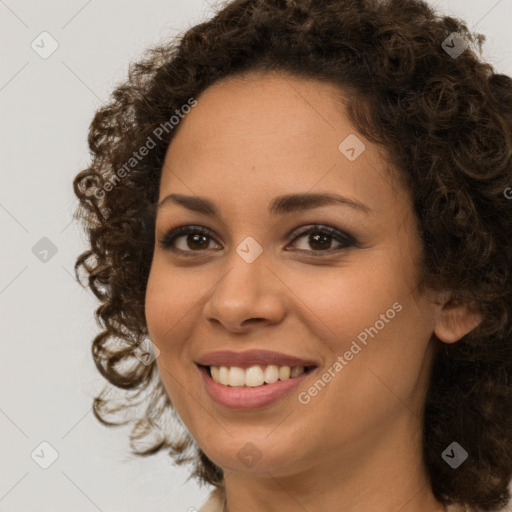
column 47, row 377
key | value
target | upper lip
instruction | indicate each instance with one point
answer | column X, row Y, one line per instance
column 250, row 358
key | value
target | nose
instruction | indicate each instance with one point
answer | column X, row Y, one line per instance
column 247, row 295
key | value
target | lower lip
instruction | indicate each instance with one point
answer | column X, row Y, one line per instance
column 244, row 397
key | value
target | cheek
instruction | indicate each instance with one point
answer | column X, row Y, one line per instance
column 170, row 295
column 173, row 297
column 393, row 328
column 158, row 303
column 347, row 300
column 166, row 303
column 370, row 317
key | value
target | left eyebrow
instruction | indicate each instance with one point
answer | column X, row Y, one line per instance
column 280, row 205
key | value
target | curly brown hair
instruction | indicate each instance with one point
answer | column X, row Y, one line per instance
column 446, row 123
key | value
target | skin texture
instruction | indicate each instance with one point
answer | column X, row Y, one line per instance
column 356, row 446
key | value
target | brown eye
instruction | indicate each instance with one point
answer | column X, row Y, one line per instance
column 196, row 239
column 320, row 239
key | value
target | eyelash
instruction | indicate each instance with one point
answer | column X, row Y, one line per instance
column 347, row 240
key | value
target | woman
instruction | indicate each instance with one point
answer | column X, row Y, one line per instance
column 303, row 205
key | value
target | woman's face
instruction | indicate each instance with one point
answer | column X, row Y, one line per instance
column 258, row 279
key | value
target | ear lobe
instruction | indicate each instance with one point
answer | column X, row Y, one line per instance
column 455, row 321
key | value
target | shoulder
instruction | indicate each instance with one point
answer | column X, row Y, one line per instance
column 215, row 501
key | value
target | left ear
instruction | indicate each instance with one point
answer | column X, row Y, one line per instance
column 455, row 320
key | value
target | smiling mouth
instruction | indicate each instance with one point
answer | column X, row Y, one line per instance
column 254, row 376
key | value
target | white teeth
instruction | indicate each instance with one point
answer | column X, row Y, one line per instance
column 215, row 373
column 296, row 371
column 271, row 374
column 284, row 373
column 223, row 375
column 236, row 376
column 253, row 376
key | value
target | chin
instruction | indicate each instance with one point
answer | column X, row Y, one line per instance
column 250, row 454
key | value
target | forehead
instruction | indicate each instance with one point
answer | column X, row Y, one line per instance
column 268, row 107
column 263, row 135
